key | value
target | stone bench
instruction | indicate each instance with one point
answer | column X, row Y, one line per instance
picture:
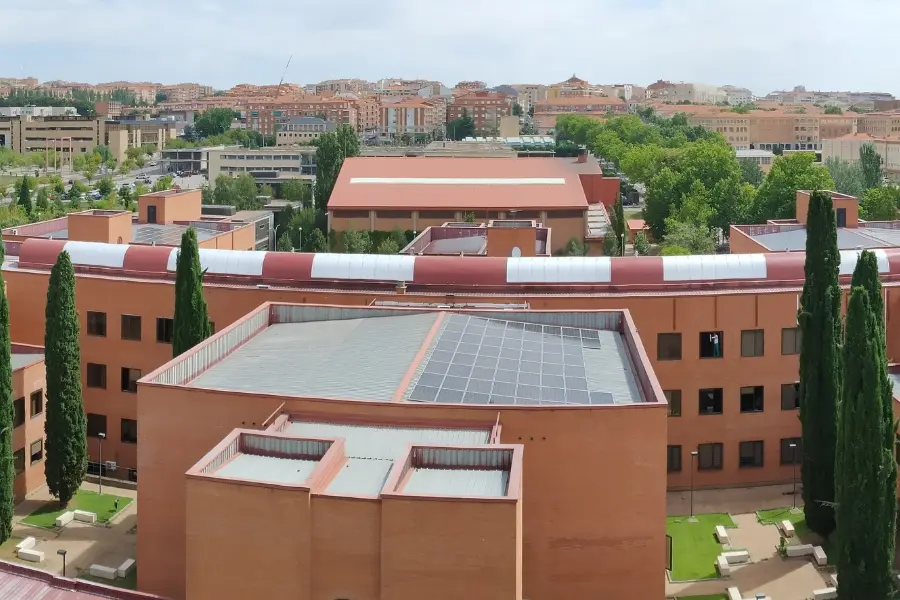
column 65, row 518
column 30, row 555
column 125, row 568
column 820, row 557
column 825, row 594
column 722, row 534
column 85, row 516
column 723, row 566
column 799, row 550
column 734, row 594
column 104, row 572
column 787, row 528
column 737, row 557
column 26, row 544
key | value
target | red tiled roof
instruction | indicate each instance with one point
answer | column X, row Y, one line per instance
column 18, row 582
column 636, row 224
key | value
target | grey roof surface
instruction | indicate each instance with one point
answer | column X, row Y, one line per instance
column 20, row 360
column 148, row 233
column 361, row 476
column 352, row 359
column 488, row 483
column 470, row 245
column 848, row 239
column 252, row 467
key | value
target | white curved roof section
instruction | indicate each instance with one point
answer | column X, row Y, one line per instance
column 370, row 267
column 538, row 269
column 92, row 254
column 849, row 259
column 714, row 267
column 225, row 262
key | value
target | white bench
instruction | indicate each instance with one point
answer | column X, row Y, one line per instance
column 104, row 572
column 723, row 566
column 787, row 528
column 26, row 544
column 737, row 557
column 722, row 534
column 30, row 555
column 799, row 550
column 85, row 516
column 825, row 594
column 820, row 556
column 734, row 594
column 125, row 568
column 65, row 518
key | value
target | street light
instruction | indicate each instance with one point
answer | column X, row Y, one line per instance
column 693, row 456
column 793, row 448
column 101, row 437
column 62, row 553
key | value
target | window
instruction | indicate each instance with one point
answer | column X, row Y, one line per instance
column 96, row 376
column 709, row 456
column 96, row 323
column 129, row 379
column 37, row 403
column 789, row 455
column 96, row 424
column 750, row 454
column 668, row 346
column 711, row 401
column 711, row 343
column 752, row 342
column 673, row 459
column 674, row 399
column 165, row 329
column 37, row 451
column 790, row 396
column 18, row 412
column 19, row 460
column 790, row 340
column 131, row 328
column 752, row 399
column 129, row 431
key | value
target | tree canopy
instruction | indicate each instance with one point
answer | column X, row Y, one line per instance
column 332, row 149
column 191, row 322
column 461, row 127
column 776, row 197
column 214, row 121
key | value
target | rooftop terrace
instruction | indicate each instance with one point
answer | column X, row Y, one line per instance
column 792, row 237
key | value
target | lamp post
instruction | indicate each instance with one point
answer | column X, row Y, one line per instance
column 693, row 456
column 62, row 553
column 793, row 448
column 101, row 436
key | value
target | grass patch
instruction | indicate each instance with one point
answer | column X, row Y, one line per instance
column 694, row 545
column 128, row 583
column 633, row 213
column 802, row 533
column 103, row 505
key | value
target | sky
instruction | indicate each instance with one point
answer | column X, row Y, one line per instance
column 764, row 45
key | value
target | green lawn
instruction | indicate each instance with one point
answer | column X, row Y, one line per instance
column 694, row 545
column 93, row 502
column 632, row 213
column 802, row 534
column 128, row 583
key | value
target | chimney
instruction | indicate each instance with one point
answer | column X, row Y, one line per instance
column 582, row 157
column 401, row 288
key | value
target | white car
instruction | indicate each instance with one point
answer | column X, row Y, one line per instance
column 152, row 163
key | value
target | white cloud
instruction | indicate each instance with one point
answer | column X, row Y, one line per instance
column 769, row 44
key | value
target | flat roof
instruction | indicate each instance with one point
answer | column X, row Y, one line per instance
column 22, row 359
column 847, row 239
column 254, row 467
column 150, row 233
column 21, row 582
column 488, row 483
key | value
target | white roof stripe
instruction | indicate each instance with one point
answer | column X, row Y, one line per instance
column 460, row 180
column 558, row 270
column 225, row 262
column 94, row 254
column 368, row 267
column 850, row 257
column 714, row 267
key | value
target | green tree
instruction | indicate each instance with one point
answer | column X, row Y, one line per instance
column 820, row 363
column 880, row 204
column 388, row 246
column 266, row 190
column 574, row 247
column 214, row 121
column 104, row 153
column 461, row 127
column 163, row 183
column 317, row 242
column 23, row 194
column 296, row 190
column 43, row 201
column 161, row 97
column 690, row 237
column 517, row 109
column 751, row 172
column 831, row 109
column 611, row 245
column 284, row 243
column 126, row 197
column 871, row 165
column 66, row 426
column 106, row 186
column 641, row 244
column 7, row 470
column 356, row 242
column 191, row 324
column 848, row 177
column 618, row 219
column 331, row 151
column 776, row 197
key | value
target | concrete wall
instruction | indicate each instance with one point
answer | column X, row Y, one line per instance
column 170, row 207
column 109, row 229
column 27, row 380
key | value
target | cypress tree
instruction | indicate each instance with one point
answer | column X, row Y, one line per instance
column 191, row 318
column 865, row 542
column 7, row 469
column 66, row 425
column 820, row 363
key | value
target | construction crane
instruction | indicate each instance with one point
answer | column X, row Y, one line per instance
column 277, row 94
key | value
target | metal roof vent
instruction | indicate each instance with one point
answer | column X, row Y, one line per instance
column 263, row 286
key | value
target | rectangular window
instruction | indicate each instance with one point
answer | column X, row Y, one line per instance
column 674, row 399
column 791, row 451
column 790, row 396
column 752, row 342
column 752, row 399
column 711, row 343
column 129, row 431
column 37, row 451
column 129, row 379
column 131, row 328
column 673, row 459
column 96, row 424
column 19, row 460
column 165, row 329
column 96, row 376
column 790, row 340
column 711, row 401
column 96, row 323
column 18, row 412
column 709, row 456
column 668, row 346
column 37, row 403
column 750, row 454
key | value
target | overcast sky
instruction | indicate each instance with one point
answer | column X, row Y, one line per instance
column 764, row 45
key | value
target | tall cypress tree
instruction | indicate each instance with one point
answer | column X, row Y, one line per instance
column 7, row 469
column 820, row 363
column 191, row 318
column 66, row 425
column 865, row 529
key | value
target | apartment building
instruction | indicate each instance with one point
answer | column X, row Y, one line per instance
column 485, row 108
column 530, row 94
column 185, row 92
column 265, row 115
column 302, row 130
column 109, row 108
column 880, row 124
column 580, row 104
column 36, row 134
column 847, row 148
column 38, row 111
column 29, row 402
column 800, row 95
column 122, row 134
column 270, row 166
column 410, row 117
column 368, row 112
column 471, row 86
column 341, row 86
column 143, row 91
column 736, row 96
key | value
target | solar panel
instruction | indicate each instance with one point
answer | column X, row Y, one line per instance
column 476, row 360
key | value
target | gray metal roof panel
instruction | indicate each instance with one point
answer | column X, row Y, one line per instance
column 273, row 469
column 20, row 360
column 361, row 476
column 488, row 483
column 795, row 240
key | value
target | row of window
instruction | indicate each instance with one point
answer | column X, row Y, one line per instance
column 712, row 343
column 752, row 399
column 96, row 424
column 131, row 327
column 36, row 454
column 96, row 377
column 711, row 456
column 36, row 400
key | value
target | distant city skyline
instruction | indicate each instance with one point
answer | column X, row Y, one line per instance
column 824, row 45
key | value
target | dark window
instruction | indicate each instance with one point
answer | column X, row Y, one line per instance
column 711, row 401
column 96, row 376
column 752, row 342
column 750, row 454
column 841, row 217
column 790, row 340
column 129, row 379
column 129, row 431
column 674, row 398
column 791, row 456
column 668, row 346
column 790, row 395
column 165, row 328
column 393, row 214
column 351, row 214
column 96, row 323
column 673, row 459
column 711, row 343
column 131, row 328
column 441, row 215
column 752, row 399
column 37, row 451
column 151, row 214
column 18, row 412
column 565, row 214
column 96, row 424
column 709, row 456
column 37, row 403
column 19, row 460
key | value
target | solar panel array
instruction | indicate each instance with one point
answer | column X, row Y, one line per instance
column 490, row 361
